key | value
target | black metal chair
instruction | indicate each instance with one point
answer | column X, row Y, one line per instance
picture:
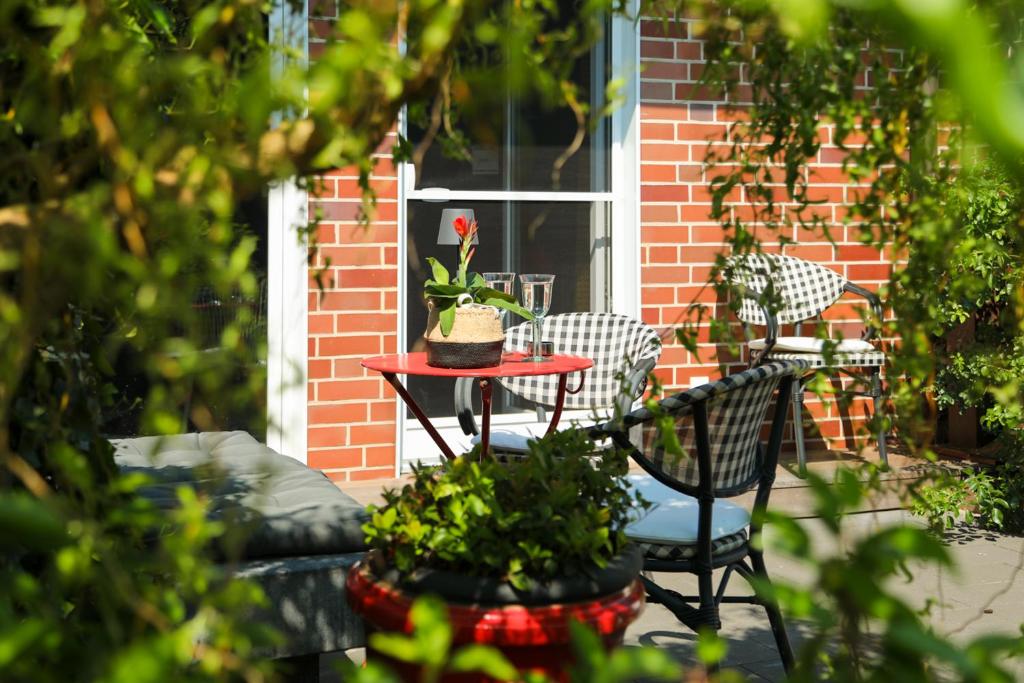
column 690, row 528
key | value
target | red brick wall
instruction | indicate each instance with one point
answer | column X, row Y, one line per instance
column 679, row 241
column 351, row 412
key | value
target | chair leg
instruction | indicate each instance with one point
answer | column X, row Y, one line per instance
column 710, row 618
column 798, row 425
column 876, row 393
column 775, row 620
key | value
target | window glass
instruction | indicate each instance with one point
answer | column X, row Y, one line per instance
column 518, row 151
column 566, row 239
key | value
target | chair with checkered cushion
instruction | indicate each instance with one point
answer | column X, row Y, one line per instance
column 691, row 527
column 624, row 351
column 779, row 290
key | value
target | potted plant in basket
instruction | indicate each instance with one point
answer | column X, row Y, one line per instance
column 516, row 550
column 463, row 323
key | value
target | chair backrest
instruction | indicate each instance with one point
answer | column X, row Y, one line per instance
column 796, row 289
column 718, row 427
column 616, row 344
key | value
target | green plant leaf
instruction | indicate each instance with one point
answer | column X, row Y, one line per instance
column 483, row 659
column 431, row 628
column 397, row 646
column 646, row 663
column 711, row 648
column 28, row 523
column 446, row 314
column 434, row 290
column 20, row 637
column 440, row 273
column 482, row 293
column 509, row 306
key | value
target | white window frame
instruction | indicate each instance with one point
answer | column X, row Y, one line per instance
column 287, row 270
column 413, row 443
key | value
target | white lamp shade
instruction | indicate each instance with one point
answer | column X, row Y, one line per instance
column 446, row 233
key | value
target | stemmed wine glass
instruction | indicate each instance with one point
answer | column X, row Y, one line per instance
column 537, row 300
column 502, row 282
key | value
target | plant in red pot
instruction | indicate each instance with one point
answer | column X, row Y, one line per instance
column 463, row 322
column 517, row 550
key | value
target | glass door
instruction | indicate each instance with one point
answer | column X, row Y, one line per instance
column 532, row 220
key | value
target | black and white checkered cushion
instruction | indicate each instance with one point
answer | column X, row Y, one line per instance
column 686, row 551
column 614, row 342
column 837, row 360
column 736, row 409
column 800, row 289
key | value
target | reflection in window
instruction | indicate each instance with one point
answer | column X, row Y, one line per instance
column 519, row 149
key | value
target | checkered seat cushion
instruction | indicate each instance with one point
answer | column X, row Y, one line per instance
column 845, row 360
column 844, row 353
column 688, row 551
column 615, row 343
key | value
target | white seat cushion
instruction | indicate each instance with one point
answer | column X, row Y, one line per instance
column 672, row 518
column 511, row 442
column 815, row 345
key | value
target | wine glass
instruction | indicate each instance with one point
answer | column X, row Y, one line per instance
column 500, row 281
column 537, row 300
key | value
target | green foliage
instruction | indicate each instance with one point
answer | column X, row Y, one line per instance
column 129, row 133
column 594, row 665
column 556, row 512
column 958, row 500
column 1010, row 478
column 74, row 601
column 979, row 282
column 980, row 279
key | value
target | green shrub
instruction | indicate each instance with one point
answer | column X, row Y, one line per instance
column 976, row 497
column 556, row 512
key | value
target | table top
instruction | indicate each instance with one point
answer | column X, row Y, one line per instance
column 512, row 365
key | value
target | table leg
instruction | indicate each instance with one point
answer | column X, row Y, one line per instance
column 485, row 431
column 559, row 401
column 414, row 407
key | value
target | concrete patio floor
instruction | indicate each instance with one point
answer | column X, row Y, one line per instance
column 985, row 595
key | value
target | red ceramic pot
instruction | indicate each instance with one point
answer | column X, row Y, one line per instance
column 532, row 637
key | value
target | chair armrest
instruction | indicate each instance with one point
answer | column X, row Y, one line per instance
column 771, row 333
column 464, row 405
column 633, row 385
column 876, row 307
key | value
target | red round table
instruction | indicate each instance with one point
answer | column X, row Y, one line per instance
column 512, row 365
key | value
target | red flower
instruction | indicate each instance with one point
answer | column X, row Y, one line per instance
column 464, row 229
